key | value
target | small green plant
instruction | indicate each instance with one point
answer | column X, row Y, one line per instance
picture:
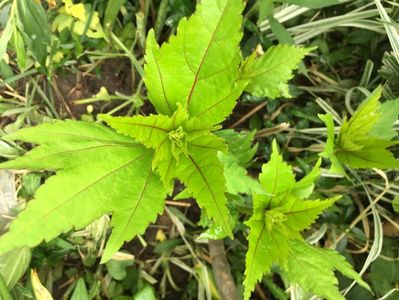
column 363, row 140
column 193, row 81
column 279, row 215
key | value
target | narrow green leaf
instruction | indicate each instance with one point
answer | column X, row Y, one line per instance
column 111, row 11
column 33, row 25
column 329, row 149
column 5, row 37
column 4, row 292
column 14, row 264
column 19, row 49
column 280, row 32
column 202, row 173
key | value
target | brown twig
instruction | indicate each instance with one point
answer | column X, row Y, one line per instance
column 248, row 115
column 221, row 269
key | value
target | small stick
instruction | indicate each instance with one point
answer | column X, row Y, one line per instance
column 177, row 203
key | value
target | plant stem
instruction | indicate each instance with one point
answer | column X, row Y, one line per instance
column 221, row 268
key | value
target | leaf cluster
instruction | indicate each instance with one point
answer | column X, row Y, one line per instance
column 193, row 81
column 363, row 140
column 280, row 213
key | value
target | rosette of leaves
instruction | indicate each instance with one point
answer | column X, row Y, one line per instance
column 364, row 139
column 280, row 213
column 193, row 81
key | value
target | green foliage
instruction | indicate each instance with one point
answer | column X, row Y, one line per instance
column 313, row 268
column 34, row 28
column 193, row 81
column 384, row 272
column 389, row 115
column 268, row 74
column 92, row 163
column 279, row 215
column 202, row 59
column 13, row 265
column 363, row 140
column 186, row 149
column 239, row 156
column 395, row 204
column 80, row 292
column 240, row 145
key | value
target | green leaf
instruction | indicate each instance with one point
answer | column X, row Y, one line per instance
column 237, row 179
column 202, row 173
column 304, row 187
column 240, row 145
column 6, row 36
column 383, row 273
column 152, row 132
column 146, row 293
column 95, row 167
column 265, row 248
column 117, row 268
column 34, row 27
column 14, row 264
column 111, row 12
column 313, row 269
column 395, row 204
column 329, row 148
column 372, row 155
column 300, row 213
column 202, row 59
column 279, row 216
column 269, row 73
column 355, row 131
column 281, row 33
column 356, row 144
column 277, row 176
column 389, row 115
column 80, row 292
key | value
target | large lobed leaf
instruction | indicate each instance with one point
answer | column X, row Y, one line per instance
column 199, row 66
column 97, row 171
